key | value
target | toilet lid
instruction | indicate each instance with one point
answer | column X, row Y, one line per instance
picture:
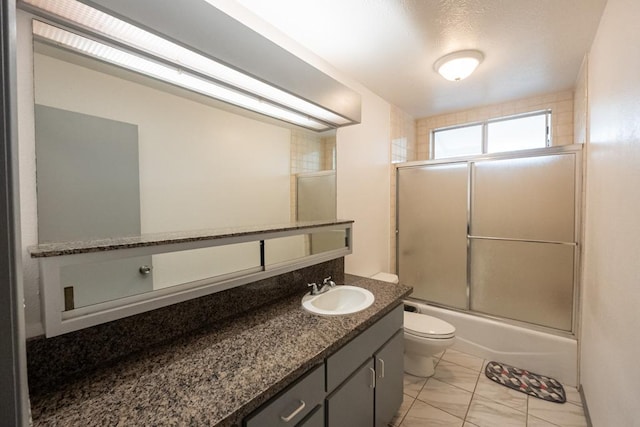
column 426, row 326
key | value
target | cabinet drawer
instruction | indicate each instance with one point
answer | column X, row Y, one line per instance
column 293, row 404
column 350, row 357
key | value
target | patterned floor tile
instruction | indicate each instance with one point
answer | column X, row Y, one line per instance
column 407, row 401
column 487, row 413
column 413, row 385
column 537, row 422
column 460, row 395
column 422, row 414
column 444, row 396
column 456, row 375
column 463, row 359
column 562, row 414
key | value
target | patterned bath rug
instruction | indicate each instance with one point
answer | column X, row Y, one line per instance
column 527, row 382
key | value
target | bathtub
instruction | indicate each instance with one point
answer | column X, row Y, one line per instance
column 536, row 351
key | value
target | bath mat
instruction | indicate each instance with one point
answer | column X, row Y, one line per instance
column 527, row 382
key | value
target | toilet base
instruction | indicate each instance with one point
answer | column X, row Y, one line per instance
column 418, row 365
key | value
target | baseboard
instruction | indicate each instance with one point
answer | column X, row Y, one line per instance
column 585, row 406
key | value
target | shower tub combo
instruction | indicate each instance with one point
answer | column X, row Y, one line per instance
column 490, row 245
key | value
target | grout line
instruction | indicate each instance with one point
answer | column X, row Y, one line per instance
column 408, row 409
column 473, row 394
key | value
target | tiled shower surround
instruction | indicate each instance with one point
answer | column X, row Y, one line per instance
column 52, row 361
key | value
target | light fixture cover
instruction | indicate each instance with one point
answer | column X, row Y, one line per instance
column 458, row 65
column 197, row 72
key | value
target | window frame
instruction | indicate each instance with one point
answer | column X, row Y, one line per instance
column 485, row 131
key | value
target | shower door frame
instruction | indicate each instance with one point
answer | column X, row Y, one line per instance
column 577, row 151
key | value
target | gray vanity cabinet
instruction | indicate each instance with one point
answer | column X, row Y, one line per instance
column 352, row 405
column 365, row 377
column 389, row 362
column 360, row 384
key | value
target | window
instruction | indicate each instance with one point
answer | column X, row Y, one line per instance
column 459, row 141
column 520, row 132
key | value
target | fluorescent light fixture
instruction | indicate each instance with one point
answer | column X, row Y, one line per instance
column 458, row 65
column 176, row 76
column 129, row 35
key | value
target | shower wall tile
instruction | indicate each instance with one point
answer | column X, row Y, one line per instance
column 403, row 148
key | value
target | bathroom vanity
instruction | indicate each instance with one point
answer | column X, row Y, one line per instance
column 256, row 365
column 364, row 374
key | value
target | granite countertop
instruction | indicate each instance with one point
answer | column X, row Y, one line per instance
column 216, row 376
column 45, row 250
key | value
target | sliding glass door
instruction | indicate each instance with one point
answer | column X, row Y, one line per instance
column 493, row 235
column 432, row 243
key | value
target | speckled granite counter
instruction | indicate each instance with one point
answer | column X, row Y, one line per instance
column 45, row 250
column 216, row 376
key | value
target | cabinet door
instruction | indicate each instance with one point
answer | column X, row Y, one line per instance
column 351, row 405
column 389, row 362
column 314, row 419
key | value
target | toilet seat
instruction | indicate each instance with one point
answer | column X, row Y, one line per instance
column 424, row 326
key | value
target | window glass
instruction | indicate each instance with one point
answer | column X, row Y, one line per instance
column 517, row 134
column 462, row 141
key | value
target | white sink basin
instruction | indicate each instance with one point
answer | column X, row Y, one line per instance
column 339, row 300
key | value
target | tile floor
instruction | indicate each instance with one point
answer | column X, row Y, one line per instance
column 460, row 395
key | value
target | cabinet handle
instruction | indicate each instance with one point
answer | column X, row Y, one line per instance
column 294, row 413
column 373, row 378
column 381, row 368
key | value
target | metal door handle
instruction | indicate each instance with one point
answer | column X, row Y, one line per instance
column 381, row 368
column 144, row 270
column 294, row 413
column 373, row 378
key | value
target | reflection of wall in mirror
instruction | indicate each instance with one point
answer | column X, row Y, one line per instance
column 200, row 167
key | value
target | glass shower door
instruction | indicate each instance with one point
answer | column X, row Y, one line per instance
column 522, row 239
column 432, row 232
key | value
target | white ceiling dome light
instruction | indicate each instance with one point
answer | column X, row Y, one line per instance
column 458, row 65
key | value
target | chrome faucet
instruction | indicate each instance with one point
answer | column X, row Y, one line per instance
column 314, row 288
column 327, row 284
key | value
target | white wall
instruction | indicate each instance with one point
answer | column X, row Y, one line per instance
column 364, row 185
column 363, row 156
column 610, row 347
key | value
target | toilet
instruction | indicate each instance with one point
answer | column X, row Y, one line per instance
column 424, row 337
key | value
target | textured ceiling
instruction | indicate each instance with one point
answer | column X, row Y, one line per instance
column 531, row 46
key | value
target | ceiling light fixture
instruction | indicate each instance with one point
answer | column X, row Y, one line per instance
column 258, row 95
column 458, row 65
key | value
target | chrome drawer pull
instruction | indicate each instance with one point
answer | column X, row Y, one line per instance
column 294, row 413
column 373, row 378
column 381, row 368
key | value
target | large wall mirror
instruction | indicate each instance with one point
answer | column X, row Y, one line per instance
column 119, row 154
